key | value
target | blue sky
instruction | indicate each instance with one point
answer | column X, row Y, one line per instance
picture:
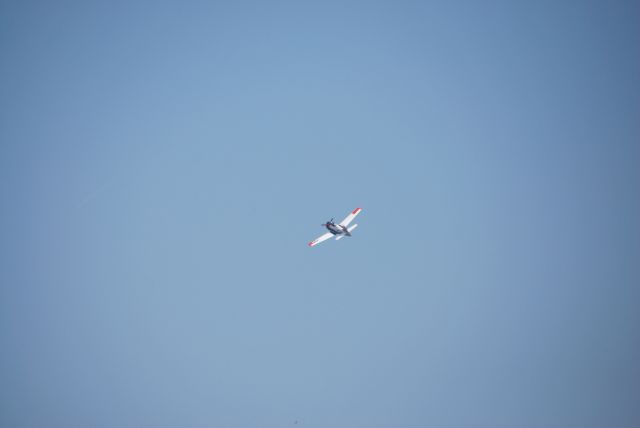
column 164, row 164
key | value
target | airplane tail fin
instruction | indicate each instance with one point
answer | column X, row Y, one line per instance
column 339, row 237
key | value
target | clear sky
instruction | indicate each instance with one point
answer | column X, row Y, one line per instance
column 164, row 164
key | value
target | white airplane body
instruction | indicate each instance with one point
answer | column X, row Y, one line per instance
column 339, row 230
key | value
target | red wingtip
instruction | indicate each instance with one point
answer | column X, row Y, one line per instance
column 356, row 211
column 311, row 244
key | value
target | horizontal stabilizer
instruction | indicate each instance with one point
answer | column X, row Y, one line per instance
column 339, row 237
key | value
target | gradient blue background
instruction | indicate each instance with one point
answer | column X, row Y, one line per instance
column 164, row 164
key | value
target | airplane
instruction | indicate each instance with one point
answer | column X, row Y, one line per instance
column 339, row 230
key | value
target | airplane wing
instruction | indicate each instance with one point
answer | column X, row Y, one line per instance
column 320, row 239
column 348, row 219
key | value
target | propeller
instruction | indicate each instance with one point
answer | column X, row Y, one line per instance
column 329, row 222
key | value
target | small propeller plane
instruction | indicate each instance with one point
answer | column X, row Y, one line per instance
column 339, row 230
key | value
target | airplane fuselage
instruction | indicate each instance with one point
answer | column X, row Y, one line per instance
column 336, row 229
